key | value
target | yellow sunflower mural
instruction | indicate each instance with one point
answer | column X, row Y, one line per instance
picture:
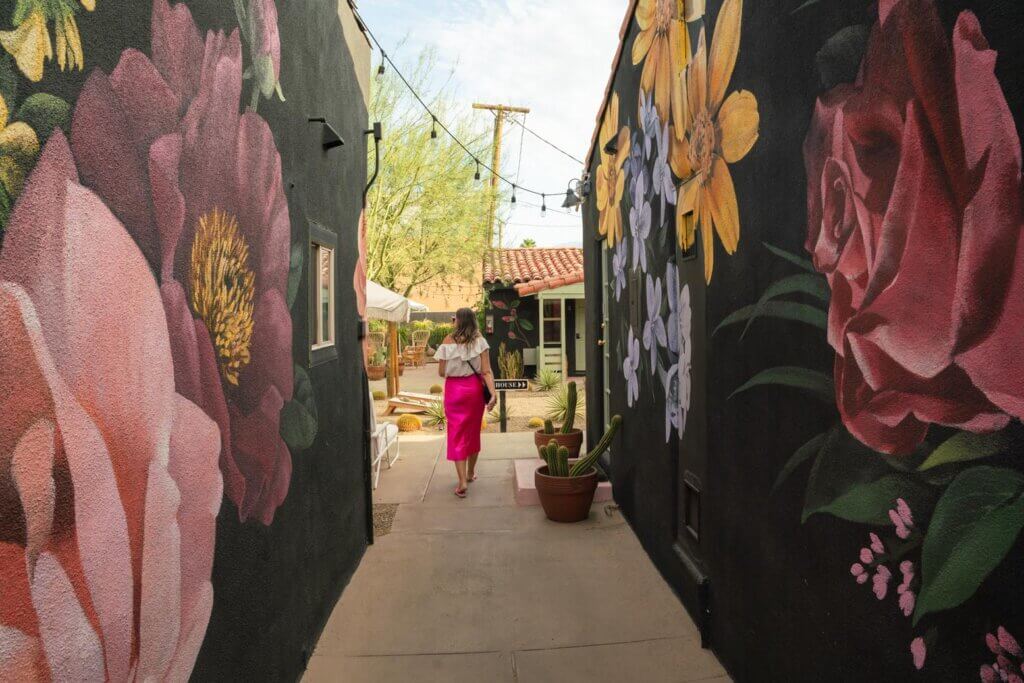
column 29, row 42
column 711, row 131
column 611, row 176
column 663, row 45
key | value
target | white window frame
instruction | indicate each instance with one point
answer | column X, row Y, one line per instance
column 318, row 341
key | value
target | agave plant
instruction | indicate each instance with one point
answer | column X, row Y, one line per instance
column 495, row 414
column 435, row 416
column 559, row 405
column 547, row 379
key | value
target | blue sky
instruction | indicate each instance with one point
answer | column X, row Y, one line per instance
column 553, row 56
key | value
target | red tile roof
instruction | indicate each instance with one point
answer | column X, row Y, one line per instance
column 534, row 270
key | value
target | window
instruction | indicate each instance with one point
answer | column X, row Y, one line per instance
column 552, row 322
column 323, row 334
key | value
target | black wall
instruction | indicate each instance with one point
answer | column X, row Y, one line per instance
column 782, row 603
column 526, row 310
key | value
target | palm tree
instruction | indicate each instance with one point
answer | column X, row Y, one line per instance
column 528, row 243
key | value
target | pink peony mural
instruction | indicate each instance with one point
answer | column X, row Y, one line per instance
column 162, row 141
column 113, row 488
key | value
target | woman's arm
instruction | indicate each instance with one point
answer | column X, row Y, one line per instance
column 485, row 371
column 441, row 365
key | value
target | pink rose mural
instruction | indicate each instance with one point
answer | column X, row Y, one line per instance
column 112, row 490
column 198, row 184
column 914, row 210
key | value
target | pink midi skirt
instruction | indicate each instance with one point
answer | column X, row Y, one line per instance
column 464, row 411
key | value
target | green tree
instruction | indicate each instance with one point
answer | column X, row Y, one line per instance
column 426, row 214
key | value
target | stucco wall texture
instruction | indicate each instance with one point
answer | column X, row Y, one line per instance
column 805, row 228
column 180, row 495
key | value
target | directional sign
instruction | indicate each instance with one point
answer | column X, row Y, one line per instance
column 511, row 385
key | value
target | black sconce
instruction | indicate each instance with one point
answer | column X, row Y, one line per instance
column 378, row 133
column 577, row 192
column 331, row 139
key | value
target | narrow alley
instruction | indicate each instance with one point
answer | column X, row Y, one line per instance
column 481, row 589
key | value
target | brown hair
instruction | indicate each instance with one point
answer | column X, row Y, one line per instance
column 465, row 326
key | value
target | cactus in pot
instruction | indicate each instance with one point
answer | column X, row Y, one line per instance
column 570, row 408
column 549, row 427
column 583, row 465
column 557, row 458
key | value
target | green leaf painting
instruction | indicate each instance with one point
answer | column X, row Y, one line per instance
column 297, row 256
column 792, row 258
column 786, row 310
column 44, row 112
column 299, row 419
column 799, row 457
column 815, row 383
column 966, row 446
column 852, row 482
column 974, row 525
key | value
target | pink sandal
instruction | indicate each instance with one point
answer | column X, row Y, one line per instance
column 461, row 493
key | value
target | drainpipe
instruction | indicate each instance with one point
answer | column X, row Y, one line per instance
column 367, row 403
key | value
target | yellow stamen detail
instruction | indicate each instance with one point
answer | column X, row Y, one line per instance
column 222, row 289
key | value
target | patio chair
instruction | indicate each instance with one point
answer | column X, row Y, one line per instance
column 416, row 350
column 383, row 438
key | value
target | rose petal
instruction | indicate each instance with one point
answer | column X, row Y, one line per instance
column 177, row 48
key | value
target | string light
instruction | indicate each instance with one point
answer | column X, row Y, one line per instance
column 435, row 123
column 513, row 193
column 476, row 176
column 543, row 205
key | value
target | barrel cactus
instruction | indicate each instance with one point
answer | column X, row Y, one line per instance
column 409, row 423
column 535, row 423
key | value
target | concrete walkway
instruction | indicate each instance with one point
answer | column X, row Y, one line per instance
column 481, row 590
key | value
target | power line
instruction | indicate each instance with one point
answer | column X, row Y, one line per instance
column 547, row 142
column 435, row 120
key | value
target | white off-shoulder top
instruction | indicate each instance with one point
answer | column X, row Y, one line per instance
column 458, row 357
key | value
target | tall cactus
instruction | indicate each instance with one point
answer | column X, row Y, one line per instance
column 583, row 465
column 570, row 407
column 549, row 427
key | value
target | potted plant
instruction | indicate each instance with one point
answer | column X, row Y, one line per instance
column 566, row 489
column 567, row 436
column 376, row 369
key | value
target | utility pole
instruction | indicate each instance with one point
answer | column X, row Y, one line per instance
column 500, row 112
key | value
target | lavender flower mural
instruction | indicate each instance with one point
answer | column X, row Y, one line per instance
column 648, row 122
column 683, row 319
column 619, row 262
column 671, row 322
column 629, row 368
column 654, row 329
column 672, row 412
column 661, row 174
column 640, row 224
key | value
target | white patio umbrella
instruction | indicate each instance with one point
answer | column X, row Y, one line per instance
column 383, row 304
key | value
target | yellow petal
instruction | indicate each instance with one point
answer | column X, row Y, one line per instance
column 602, row 185
column 663, row 83
column 89, row 5
column 19, row 141
column 738, row 121
column 694, row 9
column 641, row 45
column 622, row 144
column 614, row 227
column 680, row 109
column 610, row 124
column 707, row 238
column 721, row 197
column 689, row 195
column 650, row 67
column 679, row 154
column 679, row 47
column 62, row 47
column 645, row 10
column 620, row 188
column 3, row 112
column 725, row 46
column 29, row 44
column 697, row 77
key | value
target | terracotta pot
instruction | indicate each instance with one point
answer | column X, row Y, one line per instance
column 375, row 372
column 565, row 499
column 573, row 440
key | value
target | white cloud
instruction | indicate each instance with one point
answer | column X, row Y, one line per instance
column 553, row 56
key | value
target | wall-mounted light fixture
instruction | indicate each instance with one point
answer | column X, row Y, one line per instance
column 330, row 138
column 378, row 133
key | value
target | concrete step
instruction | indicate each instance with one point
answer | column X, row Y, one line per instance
column 526, row 489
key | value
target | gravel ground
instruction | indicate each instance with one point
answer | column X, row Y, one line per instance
column 383, row 518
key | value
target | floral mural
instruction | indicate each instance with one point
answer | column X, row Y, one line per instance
column 145, row 335
column 914, row 218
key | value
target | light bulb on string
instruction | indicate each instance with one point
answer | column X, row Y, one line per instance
column 543, row 205
column 476, row 176
column 433, row 128
column 513, row 193
column 380, row 69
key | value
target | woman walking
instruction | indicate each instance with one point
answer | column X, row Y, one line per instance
column 464, row 362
